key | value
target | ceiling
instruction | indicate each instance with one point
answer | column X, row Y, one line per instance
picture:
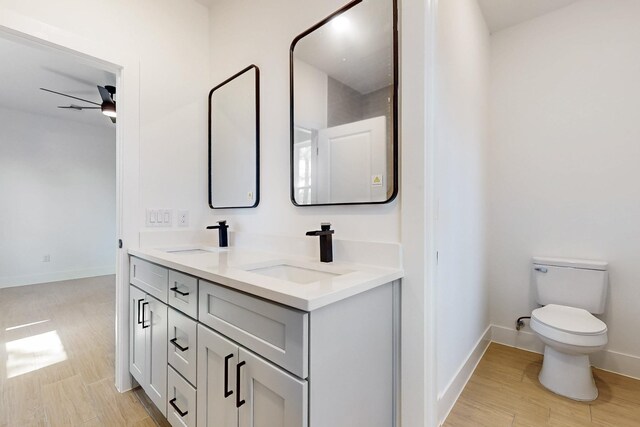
column 25, row 69
column 355, row 48
column 501, row 14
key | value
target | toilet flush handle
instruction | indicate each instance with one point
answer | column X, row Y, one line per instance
column 541, row 269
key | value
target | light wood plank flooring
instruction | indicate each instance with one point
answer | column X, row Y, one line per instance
column 57, row 349
column 504, row 391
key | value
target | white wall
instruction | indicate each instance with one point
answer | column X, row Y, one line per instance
column 462, row 135
column 58, row 180
column 169, row 39
column 564, row 155
column 245, row 32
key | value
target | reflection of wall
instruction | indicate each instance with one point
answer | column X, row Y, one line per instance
column 310, row 83
column 344, row 104
column 377, row 103
column 58, row 198
column 564, row 160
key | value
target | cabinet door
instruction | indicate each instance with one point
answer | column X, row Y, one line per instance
column 137, row 342
column 273, row 398
column 217, row 360
column 156, row 360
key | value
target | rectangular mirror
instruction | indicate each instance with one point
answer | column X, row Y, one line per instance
column 234, row 141
column 344, row 107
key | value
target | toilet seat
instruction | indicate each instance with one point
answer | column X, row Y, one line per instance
column 569, row 325
column 569, row 319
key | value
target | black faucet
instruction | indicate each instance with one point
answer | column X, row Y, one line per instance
column 326, row 241
column 223, row 238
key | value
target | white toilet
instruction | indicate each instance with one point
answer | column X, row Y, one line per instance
column 570, row 291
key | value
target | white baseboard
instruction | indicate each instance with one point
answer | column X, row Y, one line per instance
column 33, row 279
column 609, row 360
column 448, row 398
column 524, row 339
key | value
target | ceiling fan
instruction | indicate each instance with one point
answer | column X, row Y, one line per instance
column 108, row 105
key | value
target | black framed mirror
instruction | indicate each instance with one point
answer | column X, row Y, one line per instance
column 344, row 107
column 234, row 141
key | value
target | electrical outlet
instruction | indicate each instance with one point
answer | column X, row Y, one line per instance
column 183, row 219
column 46, row 258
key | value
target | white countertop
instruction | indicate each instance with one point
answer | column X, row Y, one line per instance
column 229, row 267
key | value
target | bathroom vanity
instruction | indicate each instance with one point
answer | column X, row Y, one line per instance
column 234, row 337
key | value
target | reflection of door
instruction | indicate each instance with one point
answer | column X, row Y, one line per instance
column 352, row 162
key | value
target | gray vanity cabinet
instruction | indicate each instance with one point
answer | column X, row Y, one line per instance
column 148, row 346
column 263, row 395
column 250, row 362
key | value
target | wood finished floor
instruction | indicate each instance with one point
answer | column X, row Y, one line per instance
column 57, row 349
column 504, row 391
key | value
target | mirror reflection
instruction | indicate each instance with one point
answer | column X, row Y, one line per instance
column 343, row 129
column 234, row 141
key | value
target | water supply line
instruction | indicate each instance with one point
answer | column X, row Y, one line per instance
column 520, row 322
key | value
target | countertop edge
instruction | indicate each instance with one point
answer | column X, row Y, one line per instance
column 304, row 304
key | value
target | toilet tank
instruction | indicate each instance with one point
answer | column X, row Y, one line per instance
column 572, row 282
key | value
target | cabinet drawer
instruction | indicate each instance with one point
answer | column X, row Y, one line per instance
column 149, row 277
column 276, row 332
column 181, row 401
column 179, row 285
column 182, row 344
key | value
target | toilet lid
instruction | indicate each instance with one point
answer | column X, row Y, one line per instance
column 569, row 319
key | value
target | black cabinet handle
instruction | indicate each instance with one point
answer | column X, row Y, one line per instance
column 227, row 392
column 139, row 301
column 239, row 402
column 178, row 346
column 177, row 291
column 172, row 402
column 143, row 326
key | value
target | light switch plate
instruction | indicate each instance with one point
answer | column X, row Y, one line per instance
column 159, row 218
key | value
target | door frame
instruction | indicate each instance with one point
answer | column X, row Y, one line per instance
column 34, row 33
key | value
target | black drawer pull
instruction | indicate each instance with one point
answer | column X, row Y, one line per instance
column 177, row 291
column 143, row 325
column 172, row 402
column 178, row 346
column 239, row 402
column 139, row 301
column 227, row 392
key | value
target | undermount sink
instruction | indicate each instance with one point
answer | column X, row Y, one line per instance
column 190, row 251
column 294, row 274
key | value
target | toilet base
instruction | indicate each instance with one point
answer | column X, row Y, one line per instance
column 568, row 375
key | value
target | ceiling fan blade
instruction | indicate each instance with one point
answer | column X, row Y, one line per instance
column 69, row 96
column 77, row 107
column 105, row 95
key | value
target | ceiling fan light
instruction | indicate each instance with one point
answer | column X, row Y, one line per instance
column 108, row 109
